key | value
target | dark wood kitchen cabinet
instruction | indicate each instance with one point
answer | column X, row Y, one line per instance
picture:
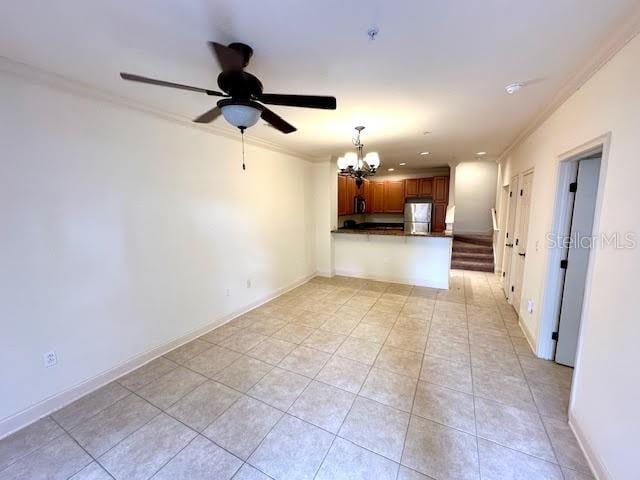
column 411, row 187
column 425, row 187
column 440, row 189
column 352, row 192
column 347, row 191
column 394, row 196
column 365, row 191
column 439, row 214
column 342, row 195
column 377, row 197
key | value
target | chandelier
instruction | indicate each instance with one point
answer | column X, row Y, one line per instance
column 356, row 164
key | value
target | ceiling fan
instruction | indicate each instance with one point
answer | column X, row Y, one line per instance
column 242, row 92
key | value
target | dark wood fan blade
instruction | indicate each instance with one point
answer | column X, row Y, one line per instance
column 276, row 121
column 230, row 60
column 162, row 83
column 307, row 101
column 208, row 116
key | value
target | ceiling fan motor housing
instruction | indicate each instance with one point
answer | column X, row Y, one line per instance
column 240, row 84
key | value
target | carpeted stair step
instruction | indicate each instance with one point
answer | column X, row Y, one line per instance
column 472, row 252
column 469, row 248
column 485, row 240
column 479, row 256
column 472, row 265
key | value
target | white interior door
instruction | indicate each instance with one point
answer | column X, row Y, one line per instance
column 509, row 237
column 577, row 260
column 520, row 244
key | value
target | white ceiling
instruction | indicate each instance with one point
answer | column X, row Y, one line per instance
column 438, row 66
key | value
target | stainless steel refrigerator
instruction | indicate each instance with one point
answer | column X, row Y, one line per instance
column 417, row 216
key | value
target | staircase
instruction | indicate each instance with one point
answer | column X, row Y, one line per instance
column 472, row 252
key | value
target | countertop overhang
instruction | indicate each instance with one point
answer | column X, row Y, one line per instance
column 390, row 231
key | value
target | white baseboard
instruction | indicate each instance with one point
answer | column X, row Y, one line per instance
column 55, row 402
column 327, row 274
column 595, row 462
column 422, row 282
column 527, row 335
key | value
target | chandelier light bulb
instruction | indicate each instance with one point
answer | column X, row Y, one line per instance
column 342, row 163
column 372, row 159
column 351, row 159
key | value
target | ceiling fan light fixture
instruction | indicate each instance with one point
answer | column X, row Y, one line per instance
column 241, row 114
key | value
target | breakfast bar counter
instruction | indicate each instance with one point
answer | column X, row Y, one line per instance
column 393, row 255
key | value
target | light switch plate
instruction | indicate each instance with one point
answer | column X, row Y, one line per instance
column 530, row 306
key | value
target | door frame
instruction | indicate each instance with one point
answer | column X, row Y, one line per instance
column 554, row 277
column 507, row 255
column 503, row 212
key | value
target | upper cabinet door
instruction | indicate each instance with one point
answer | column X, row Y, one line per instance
column 441, row 189
column 352, row 192
column 411, row 187
column 377, row 197
column 365, row 191
column 342, row 195
column 394, row 196
column 425, row 187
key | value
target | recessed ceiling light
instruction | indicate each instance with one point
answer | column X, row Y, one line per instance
column 424, row 153
column 390, row 169
column 481, row 153
column 403, row 164
column 514, row 87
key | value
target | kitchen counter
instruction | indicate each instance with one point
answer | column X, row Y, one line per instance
column 393, row 255
column 398, row 232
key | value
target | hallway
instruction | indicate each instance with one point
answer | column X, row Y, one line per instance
column 338, row 378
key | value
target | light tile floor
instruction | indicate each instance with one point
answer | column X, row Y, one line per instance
column 338, row 379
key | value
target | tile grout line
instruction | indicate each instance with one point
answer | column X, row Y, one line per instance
column 466, row 286
column 415, row 392
column 473, row 391
column 93, row 459
column 354, row 402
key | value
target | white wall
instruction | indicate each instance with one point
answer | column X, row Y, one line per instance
column 122, row 231
column 475, row 195
column 423, row 261
column 606, row 389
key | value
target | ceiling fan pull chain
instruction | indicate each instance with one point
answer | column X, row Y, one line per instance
column 242, row 135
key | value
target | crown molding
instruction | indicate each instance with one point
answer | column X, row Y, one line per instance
column 620, row 37
column 53, row 80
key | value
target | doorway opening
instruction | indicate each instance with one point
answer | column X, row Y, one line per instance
column 572, row 244
column 576, row 245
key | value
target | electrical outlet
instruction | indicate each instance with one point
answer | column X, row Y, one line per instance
column 249, row 283
column 50, row 359
column 530, row 306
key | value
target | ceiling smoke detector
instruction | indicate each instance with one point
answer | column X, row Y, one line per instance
column 373, row 33
column 514, row 87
